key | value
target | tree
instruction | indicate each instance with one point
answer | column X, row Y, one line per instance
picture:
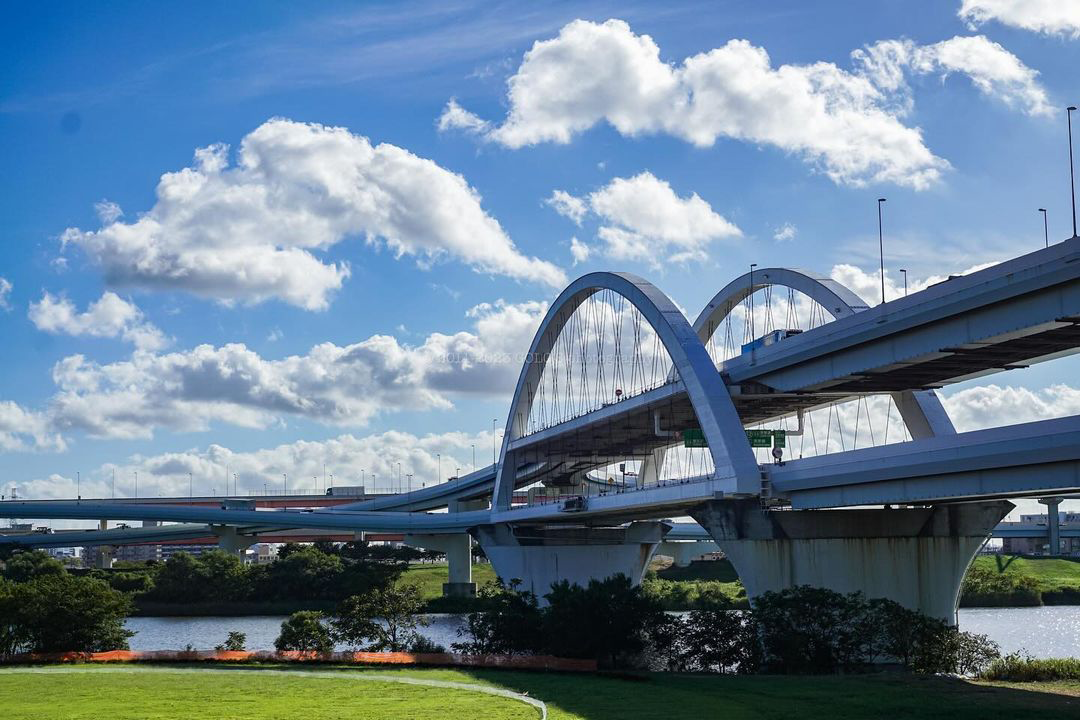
column 305, row 631
column 511, row 622
column 234, row 643
column 28, row 564
column 607, row 620
column 385, row 618
column 65, row 613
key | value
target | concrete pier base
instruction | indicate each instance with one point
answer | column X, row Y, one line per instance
column 458, row 549
column 232, row 541
column 542, row 556
column 685, row 552
column 915, row 556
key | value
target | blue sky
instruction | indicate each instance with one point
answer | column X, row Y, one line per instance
column 952, row 111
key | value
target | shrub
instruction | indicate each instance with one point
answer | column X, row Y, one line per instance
column 305, row 631
column 1015, row 667
column 384, row 618
column 510, row 623
column 236, row 641
column 985, row 587
column 62, row 613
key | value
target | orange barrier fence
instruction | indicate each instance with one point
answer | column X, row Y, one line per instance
column 529, row 662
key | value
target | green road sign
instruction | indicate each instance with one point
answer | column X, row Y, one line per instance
column 694, row 438
column 760, row 438
column 779, row 438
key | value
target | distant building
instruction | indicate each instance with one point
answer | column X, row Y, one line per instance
column 1038, row 545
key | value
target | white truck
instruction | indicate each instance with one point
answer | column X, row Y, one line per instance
column 350, row 490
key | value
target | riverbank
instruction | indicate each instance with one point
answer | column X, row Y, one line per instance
column 1021, row 581
column 130, row 692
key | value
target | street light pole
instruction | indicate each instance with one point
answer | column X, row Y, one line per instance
column 1072, row 178
column 494, row 431
column 438, row 478
column 1046, row 232
column 881, row 248
column 752, row 266
column 904, row 273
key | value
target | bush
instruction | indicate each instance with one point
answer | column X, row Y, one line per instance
column 985, row 587
column 510, row 623
column 1015, row 667
column 26, row 565
column 62, row 613
column 420, row 644
column 305, row 631
column 236, row 642
column 384, row 618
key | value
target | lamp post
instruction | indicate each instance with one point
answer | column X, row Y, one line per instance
column 438, row 478
column 285, row 479
column 752, row 266
column 881, row 248
column 190, row 484
column 1072, row 178
column 904, row 273
column 494, row 432
column 1046, row 231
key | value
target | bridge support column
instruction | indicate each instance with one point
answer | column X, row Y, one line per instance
column 103, row 554
column 458, row 549
column 683, row 553
column 541, row 556
column 915, row 556
column 231, row 541
column 1053, row 525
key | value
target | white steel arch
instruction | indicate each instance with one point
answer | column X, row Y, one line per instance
column 709, row 396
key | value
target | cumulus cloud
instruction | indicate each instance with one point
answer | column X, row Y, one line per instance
column 108, row 211
column 604, row 72
column 250, row 231
column 867, row 285
column 643, row 219
column 23, row 430
column 108, row 317
column 785, row 233
column 371, row 460
column 995, row 72
column 993, row 405
column 567, row 205
column 1049, row 17
column 340, row 385
column 455, row 117
column 579, row 251
column 5, row 293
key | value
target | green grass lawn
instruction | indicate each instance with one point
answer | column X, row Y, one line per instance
column 115, row 693
column 1051, row 573
column 431, row 576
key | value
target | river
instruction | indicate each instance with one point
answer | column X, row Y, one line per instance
column 1039, row 631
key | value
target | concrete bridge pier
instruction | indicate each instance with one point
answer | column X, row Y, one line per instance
column 915, row 556
column 458, row 549
column 232, row 541
column 540, row 556
column 685, row 552
column 1053, row 525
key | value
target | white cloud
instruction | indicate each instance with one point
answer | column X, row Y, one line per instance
column 579, row 250
column 567, row 205
column 591, row 73
column 455, row 117
column 108, row 211
column 340, row 385
column 250, row 232
column 1050, row 17
column 867, row 285
column 23, row 430
column 643, row 219
column 993, row 405
column 351, row 460
column 5, row 293
column 785, row 233
column 109, row 317
column 994, row 71
column 275, row 335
